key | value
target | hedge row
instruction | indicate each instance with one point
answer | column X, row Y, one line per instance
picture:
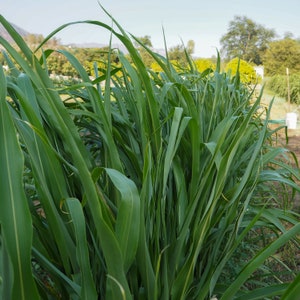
column 279, row 85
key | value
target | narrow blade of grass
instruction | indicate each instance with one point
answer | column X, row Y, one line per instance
column 15, row 219
column 88, row 290
column 293, row 290
column 128, row 218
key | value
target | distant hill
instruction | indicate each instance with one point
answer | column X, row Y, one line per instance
column 23, row 33
column 5, row 35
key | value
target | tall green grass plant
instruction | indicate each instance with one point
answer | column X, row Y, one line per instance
column 144, row 186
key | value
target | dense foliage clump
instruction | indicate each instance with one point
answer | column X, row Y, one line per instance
column 139, row 184
column 280, row 55
column 279, row 85
column 246, row 71
column 246, row 39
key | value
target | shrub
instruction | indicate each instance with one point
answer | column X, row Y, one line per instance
column 247, row 72
column 278, row 84
column 203, row 64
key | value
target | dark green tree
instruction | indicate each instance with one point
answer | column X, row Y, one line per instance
column 178, row 53
column 280, row 55
column 246, row 39
column 34, row 40
column 139, row 44
column 59, row 65
column 145, row 40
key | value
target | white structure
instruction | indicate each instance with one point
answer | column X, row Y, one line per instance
column 291, row 120
column 259, row 71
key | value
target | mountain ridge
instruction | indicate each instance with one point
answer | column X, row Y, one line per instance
column 6, row 35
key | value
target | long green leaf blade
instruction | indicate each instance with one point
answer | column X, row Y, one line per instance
column 293, row 290
column 15, row 218
column 128, row 219
column 88, row 290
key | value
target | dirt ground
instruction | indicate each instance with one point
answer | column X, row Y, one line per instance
column 294, row 145
column 292, row 142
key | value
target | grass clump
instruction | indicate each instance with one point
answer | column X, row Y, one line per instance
column 278, row 84
column 145, row 186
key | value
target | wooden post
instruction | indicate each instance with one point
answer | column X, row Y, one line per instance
column 288, row 89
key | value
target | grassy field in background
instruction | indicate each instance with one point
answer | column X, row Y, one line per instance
column 280, row 105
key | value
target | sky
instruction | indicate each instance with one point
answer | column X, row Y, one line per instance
column 204, row 22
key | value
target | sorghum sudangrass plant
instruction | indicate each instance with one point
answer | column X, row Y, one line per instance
column 145, row 186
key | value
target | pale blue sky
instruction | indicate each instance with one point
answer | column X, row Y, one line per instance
column 202, row 21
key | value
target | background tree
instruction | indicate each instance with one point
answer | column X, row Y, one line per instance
column 280, row 55
column 146, row 57
column 246, row 39
column 190, row 47
column 34, row 40
column 145, row 40
column 178, row 53
column 59, row 65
